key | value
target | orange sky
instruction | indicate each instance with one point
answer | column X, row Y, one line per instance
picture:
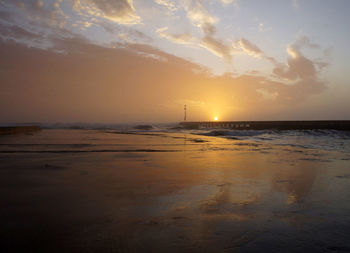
column 63, row 76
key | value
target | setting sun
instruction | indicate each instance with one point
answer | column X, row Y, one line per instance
column 178, row 124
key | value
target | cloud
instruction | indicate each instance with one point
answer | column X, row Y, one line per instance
column 300, row 71
column 167, row 3
column 213, row 44
column 251, row 49
column 216, row 46
column 88, row 82
column 184, row 38
column 298, row 66
column 200, row 17
column 126, row 33
column 32, row 23
column 119, row 11
column 304, row 41
column 75, row 80
column 17, row 33
column 228, row 2
column 48, row 13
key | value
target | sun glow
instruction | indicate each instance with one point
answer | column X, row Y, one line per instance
column 216, row 118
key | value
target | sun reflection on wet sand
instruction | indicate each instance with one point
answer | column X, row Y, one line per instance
column 176, row 193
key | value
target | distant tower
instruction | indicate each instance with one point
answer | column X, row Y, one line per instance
column 185, row 113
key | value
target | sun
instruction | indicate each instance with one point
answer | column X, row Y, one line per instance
column 216, row 118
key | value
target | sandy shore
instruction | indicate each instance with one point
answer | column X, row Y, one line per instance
column 169, row 193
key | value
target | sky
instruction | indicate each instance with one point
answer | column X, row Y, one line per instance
column 115, row 61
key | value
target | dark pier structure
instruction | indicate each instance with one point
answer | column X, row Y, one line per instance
column 278, row 125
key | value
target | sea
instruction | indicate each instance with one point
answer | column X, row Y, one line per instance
column 83, row 137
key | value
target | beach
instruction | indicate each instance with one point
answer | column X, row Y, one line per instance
column 174, row 126
column 88, row 190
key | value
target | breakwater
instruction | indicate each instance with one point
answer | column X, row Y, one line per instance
column 278, row 125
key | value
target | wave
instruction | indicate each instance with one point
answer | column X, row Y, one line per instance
column 265, row 134
column 318, row 133
column 306, row 139
column 310, row 139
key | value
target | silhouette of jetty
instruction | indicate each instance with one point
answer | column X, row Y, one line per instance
column 278, row 125
column 19, row 129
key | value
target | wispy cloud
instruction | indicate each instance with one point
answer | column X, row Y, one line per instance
column 126, row 33
column 184, row 38
column 171, row 5
column 197, row 13
column 119, row 11
column 200, row 17
column 216, row 46
column 251, row 49
column 38, row 11
column 228, row 2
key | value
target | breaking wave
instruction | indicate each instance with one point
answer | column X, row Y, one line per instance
column 314, row 139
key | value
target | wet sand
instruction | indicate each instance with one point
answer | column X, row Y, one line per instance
column 90, row 191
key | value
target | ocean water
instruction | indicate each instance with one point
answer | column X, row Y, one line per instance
column 109, row 138
column 310, row 139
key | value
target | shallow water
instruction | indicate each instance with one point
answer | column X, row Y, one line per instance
column 126, row 190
